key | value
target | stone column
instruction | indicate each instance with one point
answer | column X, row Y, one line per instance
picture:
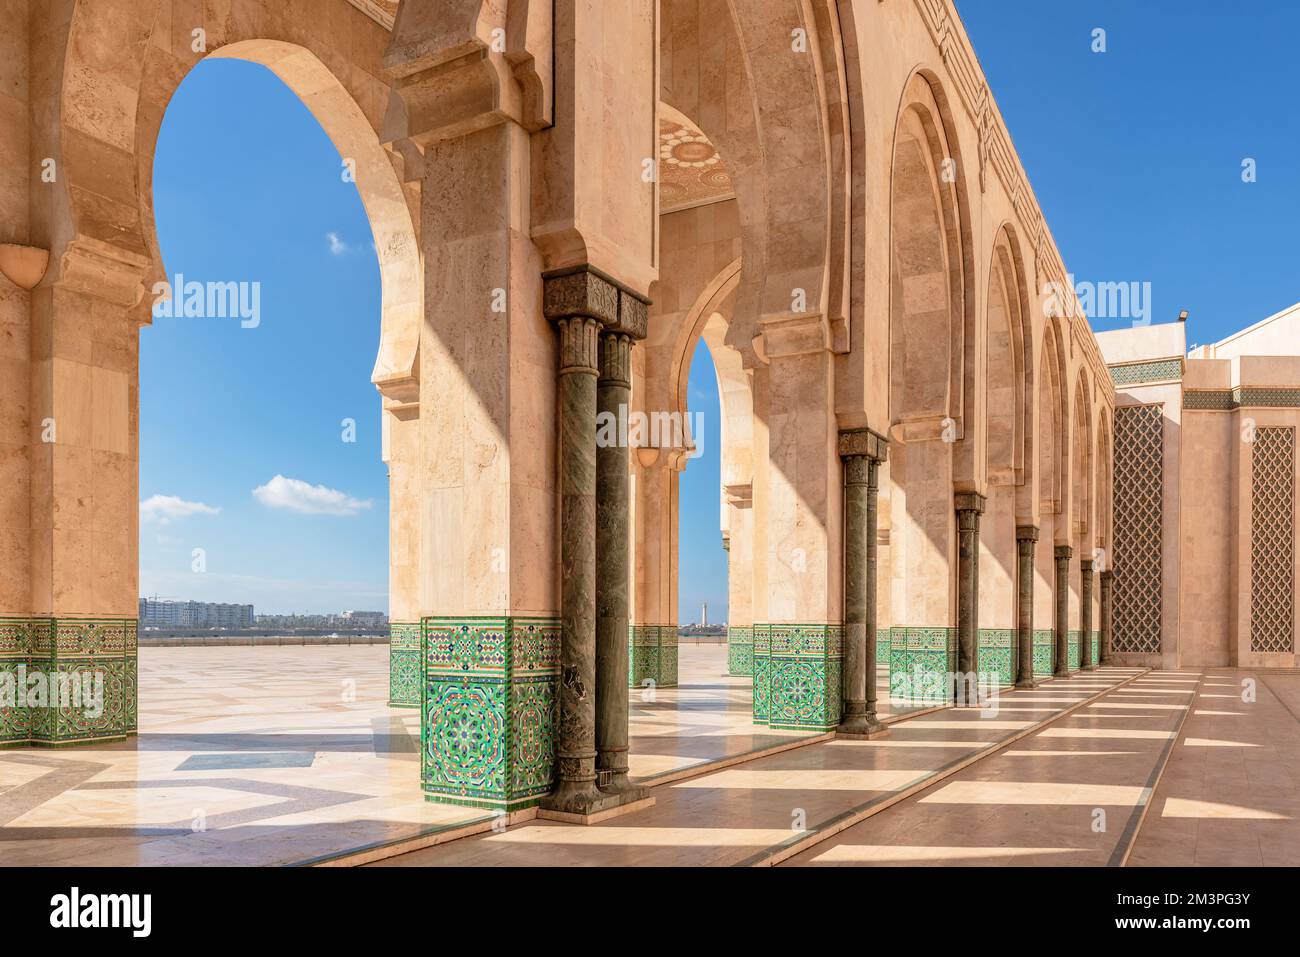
column 970, row 505
column 1085, row 616
column 1062, row 555
column 862, row 451
column 580, row 302
column 613, row 396
column 1026, row 540
column 576, row 743
column 1104, row 612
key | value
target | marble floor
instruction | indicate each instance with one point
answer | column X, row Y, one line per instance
column 768, row 809
column 1073, row 793
column 278, row 755
column 1231, row 794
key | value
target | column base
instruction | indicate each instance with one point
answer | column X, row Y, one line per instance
column 404, row 664
column 652, row 656
column 1025, row 684
column 585, row 806
column 490, row 710
column 66, row 681
column 861, row 727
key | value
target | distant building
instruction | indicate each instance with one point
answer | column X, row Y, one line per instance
column 194, row 614
column 366, row 619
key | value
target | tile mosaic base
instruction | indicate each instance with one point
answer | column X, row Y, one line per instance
column 489, row 710
column 652, row 656
column 922, row 662
column 740, row 650
column 67, row 680
column 404, row 664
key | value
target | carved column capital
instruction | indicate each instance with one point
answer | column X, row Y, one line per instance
column 970, row 502
column 1063, row 553
column 1027, row 533
column 863, row 442
column 586, row 291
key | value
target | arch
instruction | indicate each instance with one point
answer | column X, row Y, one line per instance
column 115, row 93
column 1081, row 474
column 1009, row 368
column 1053, row 445
column 929, row 286
column 1103, row 483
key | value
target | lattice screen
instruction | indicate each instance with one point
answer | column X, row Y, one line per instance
column 1272, row 537
column 1138, row 524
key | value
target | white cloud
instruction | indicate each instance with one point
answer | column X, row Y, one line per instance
column 299, row 496
column 337, row 246
column 163, row 508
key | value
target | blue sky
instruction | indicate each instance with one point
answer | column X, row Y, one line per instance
column 247, row 187
column 1135, row 155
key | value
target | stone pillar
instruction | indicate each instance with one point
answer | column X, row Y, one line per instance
column 969, row 505
column 1085, row 619
column 580, row 302
column 1104, row 613
column 740, row 579
column 576, row 743
column 1026, row 539
column 613, row 396
column 861, row 452
column 1062, row 555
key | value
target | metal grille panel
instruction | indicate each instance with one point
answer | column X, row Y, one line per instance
column 1272, row 541
column 1138, row 529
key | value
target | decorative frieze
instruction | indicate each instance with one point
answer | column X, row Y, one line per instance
column 1226, row 400
column 1142, row 373
column 490, row 710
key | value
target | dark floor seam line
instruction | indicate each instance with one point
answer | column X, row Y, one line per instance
column 1119, row 857
column 793, row 846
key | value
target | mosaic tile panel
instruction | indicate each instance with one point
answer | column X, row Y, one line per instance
column 489, row 710
column 762, row 671
column 1134, row 373
column 652, row 656
column 1076, row 653
column 404, row 664
column 1096, row 648
column 994, row 653
column 1138, row 525
column 922, row 663
column 1044, row 652
column 805, row 684
column 1272, row 541
column 740, row 650
column 67, row 680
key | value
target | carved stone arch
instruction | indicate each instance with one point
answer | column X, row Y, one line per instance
column 789, row 238
column 1009, row 368
column 1082, row 489
column 1053, row 423
column 930, row 318
column 115, row 92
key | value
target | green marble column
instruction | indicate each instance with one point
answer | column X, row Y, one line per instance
column 1104, row 614
column 1062, row 555
column 861, row 452
column 1026, row 539
column 969, row 505
column 1085, row 617
column 576, row 789
column 582, row 303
